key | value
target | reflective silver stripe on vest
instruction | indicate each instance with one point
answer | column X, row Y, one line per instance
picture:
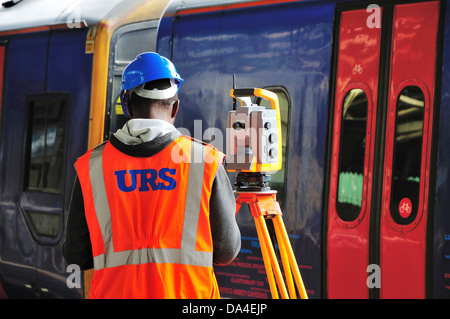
column 186, row 255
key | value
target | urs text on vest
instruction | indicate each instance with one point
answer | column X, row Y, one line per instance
column 149, row 179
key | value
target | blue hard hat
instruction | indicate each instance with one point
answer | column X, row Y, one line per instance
column 146, row 67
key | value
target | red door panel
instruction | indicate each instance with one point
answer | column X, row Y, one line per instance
column 2, row 64
column 352, row 156
column 408, row 145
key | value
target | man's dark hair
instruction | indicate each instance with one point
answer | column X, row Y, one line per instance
column 141, row 102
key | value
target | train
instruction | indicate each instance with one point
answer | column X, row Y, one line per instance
column 364, row 92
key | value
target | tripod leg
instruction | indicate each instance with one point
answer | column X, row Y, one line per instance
column 261, row 224
column 285, row 260
column 266, row 258
column 293, row 262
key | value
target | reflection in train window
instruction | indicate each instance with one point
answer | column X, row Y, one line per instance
column 352, row 155
column 406, row 166
column 46, row 143
column 130, row 44
column 278, row 178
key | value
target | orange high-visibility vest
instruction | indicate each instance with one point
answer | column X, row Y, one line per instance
column 148, row 219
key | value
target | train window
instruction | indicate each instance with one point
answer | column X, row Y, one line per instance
column 352, row 155
column 278, row 179
column 126, row 43
column 45, row 224
column 407, row 160
column 130, row 44
column 46, row 142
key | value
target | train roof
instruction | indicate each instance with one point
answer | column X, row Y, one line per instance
column 30, row 14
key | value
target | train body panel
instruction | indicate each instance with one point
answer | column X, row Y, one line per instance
column 345, row 228
column 294, row 56
column 341, row 72
column 440, row 253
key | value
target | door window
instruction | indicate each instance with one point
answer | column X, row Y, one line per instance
column 352, row 155
column 407, row 162
column 44, row 164
column 46, row 143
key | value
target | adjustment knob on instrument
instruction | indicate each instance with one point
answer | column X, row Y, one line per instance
column 272, row 137
column 273, row 152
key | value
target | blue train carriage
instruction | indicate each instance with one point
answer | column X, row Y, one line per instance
column 364, row 97
column 60, row 63
column 363, row 88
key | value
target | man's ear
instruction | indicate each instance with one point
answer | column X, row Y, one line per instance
column 175, row 108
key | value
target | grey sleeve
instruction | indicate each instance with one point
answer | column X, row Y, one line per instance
column 225, row 231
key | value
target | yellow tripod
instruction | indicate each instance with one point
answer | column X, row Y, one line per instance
column 263, row 205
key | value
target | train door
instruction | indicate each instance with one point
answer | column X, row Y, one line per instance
column 58, row 132
column 352, row 156
column 24, row 76
column 2, row 72
column 380, row 152
column 406, row 176
column 46, row 83
column 126, row 43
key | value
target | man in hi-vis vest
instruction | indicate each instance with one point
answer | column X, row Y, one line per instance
column 151, row 210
